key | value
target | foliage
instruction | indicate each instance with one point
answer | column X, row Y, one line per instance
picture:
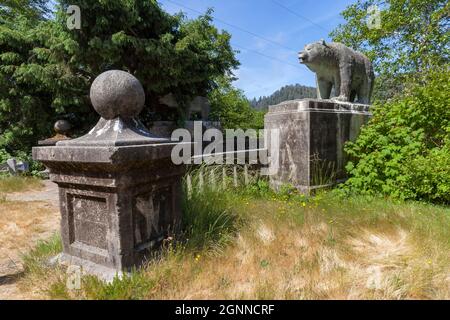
column 413, row 39
column 404, row 150
column 230, row 106
column 46, row 69
column 132, row 287
column 32, row 82
column 31, row 8
column 431, row 175
column 4, row 156
column 290, row 92
column 166, row 53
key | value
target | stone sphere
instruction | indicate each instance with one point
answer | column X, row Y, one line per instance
column 117, row 93
column 62, row 126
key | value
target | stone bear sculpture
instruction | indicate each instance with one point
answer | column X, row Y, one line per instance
column 350, row 72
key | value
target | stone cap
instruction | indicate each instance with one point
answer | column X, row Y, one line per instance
column 319, row 105
column 61, row 128
column 123, row 156
column 118, row 97
column 116, row 132
column 119, row 142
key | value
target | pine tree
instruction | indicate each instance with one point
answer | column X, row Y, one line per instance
column 46, row 69
column 290, row 92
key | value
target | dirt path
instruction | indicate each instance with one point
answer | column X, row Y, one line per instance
column 25, row 218
column 49, row 193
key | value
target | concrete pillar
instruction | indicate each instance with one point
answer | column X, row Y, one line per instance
column 312, row 137
column 119, row 190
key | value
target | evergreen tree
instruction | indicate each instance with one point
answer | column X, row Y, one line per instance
column 290, row 92
column 230, row 106
column 46, row 69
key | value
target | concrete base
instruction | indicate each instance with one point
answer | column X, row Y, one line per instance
column 117, row 203
column 89, row 267
column 312, row 137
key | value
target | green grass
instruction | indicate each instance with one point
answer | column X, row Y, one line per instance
column 132, row 287
column 209, row 222
column 36, row 260
column 18, row 184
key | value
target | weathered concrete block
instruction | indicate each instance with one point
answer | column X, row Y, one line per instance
column 119, row 190
column 312, row 137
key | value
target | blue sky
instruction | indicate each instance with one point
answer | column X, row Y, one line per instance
column 282, row 27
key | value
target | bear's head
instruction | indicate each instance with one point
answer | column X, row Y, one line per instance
column 313, row 53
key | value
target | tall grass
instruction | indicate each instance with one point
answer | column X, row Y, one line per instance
column 209, row 221
column 324, row 172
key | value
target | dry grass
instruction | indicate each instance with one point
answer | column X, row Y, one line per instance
column 273, row 259
column 20, row 222
column 285, row 247
column 21, row 225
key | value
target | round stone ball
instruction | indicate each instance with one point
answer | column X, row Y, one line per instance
column 117, row 93
column 62, row 126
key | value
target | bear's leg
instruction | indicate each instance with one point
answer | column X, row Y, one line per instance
column 353, row 96
column 337, row 85
column 323, row 89
column 370, row 85
column 364, row 93
column 345, row 82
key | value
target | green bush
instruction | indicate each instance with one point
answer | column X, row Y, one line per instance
column 404, row 149
column 4, row 156
column 431, row 175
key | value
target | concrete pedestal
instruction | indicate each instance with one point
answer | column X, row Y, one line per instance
column 120, row 193
column 312, row 137
column 117, row 204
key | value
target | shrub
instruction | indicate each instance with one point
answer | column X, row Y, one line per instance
column 404, row 149
column 430, row 178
